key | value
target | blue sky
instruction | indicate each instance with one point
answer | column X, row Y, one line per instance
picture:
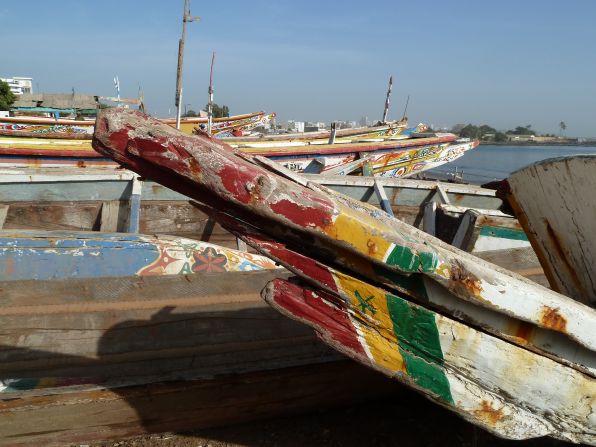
column 503, row 63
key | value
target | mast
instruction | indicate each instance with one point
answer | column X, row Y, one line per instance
column 406, row 108
column 186, row 17
column 210, row 103
column 387, row 100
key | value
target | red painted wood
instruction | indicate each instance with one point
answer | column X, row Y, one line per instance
column 321, row 311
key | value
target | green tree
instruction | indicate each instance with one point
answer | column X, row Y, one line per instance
column 500, row 137
column 486, row 129
column 470, row 131
column 562, row 126
column 219, row 111
column 190, row 114
column 6, row 96
column 519, row 130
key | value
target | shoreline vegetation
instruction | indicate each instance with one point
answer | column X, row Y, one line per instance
column 520, row 136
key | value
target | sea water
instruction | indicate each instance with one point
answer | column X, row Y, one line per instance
column 487, row 162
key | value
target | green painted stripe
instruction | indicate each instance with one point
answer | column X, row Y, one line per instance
column 420, row 346
column 407, row 260
column 503, row 233
column 412, row 283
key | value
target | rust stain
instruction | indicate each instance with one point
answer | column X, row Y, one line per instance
column 552, row 319
column 524, row 331
column 81, row 164
column 156, row 188
column 464, row 281
column 372, row 247
column 458, row 198
column 489, row 414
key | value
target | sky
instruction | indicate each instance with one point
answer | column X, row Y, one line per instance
column 502, row 63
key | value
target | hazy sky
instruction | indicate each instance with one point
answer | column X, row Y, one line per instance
column 503, row 63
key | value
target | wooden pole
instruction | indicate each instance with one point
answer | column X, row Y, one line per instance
column 186, row 17
column 387, row 100
column 210, row 91
column 406, row 108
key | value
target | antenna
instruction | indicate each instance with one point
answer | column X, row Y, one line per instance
column 186, row 17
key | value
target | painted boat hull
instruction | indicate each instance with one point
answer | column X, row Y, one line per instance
column 68, row 129
column 397, row 158
column 112, row 335
column 416, row 267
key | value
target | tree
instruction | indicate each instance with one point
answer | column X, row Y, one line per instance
column 190, row 114
column 500, row 137
column 563, row 126
column 470, row 131
column 519, row 130
column 6, row 96
column 219, row 111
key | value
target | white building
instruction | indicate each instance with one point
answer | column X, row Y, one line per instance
column 19, row 85
column 296, row 126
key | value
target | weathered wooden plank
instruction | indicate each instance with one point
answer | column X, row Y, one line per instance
column 442, row 194
column 366, row 322
column 134, row 215
column 430, row 218
column 484, row 379
column 58, row 334
column 109, row 216
column 91, row 415
column 3, row 213
column 553, row 200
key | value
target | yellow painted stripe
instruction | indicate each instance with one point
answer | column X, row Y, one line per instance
column 363, row 234
column 376, row 333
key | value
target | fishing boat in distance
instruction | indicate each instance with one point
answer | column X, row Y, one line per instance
column 75, row 129
column 401, row 152
column 471, row 336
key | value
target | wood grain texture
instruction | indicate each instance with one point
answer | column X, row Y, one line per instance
column 554, row 201
column 83, row 416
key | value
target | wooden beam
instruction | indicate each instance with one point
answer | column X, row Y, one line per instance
column 383, row 200
column 464, row 233
column 3, row 214
column 443, row 194
column 109, row 216
column 135, row 205
column 430, row 218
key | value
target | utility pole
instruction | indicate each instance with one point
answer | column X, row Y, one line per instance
column 186, row 17
column 210, row 102
column 387, row 100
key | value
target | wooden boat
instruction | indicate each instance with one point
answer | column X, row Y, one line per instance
column 224, row 127
column 389, row 130
column 393, row 157
column 553, row 201
column 111, row 335
column 469, row 335
column 72, row 199
column 71, row 129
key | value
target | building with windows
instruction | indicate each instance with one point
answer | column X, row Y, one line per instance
column 19, row 85
column 295, row 126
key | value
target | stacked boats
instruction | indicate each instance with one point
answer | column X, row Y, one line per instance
column 136, row 333
column 390, row 149
column 506, row 354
